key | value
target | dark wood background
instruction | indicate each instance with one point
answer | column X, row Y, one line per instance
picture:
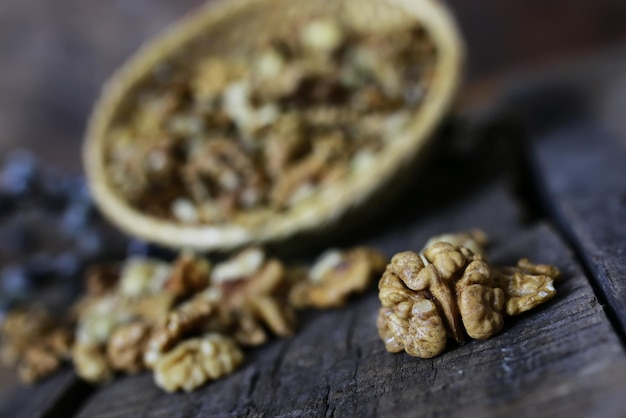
column 543, row 109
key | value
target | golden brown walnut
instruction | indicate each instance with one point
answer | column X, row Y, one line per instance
column 284, row 143
column 212, row 75
column 44, row 355
column 434, row 271
column 257, row 302
column 19, row 329
column 142, row 276
column 481, row 303
column 527, row 285
column 34, row 342
column 182, row 321
column 126, row 346
column 98, row 318
column 189, row 274
column 449, row 290
column 153, row 308
column 475, row 240
column 409, row 320
column 336, row 276
column 194, row 362
column 37, row 363
column 385, row 333
column 90, row 363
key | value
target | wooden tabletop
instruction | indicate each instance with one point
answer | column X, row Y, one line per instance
column 540, row 166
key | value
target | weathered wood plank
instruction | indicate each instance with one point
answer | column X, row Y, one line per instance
column 582, row 174
column 337, row 366
column 59, row 395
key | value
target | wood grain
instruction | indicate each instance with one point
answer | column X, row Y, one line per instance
column 581, row 172
column 59, row 395
column 337, row 366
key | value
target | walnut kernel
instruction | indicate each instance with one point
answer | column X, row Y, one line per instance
column 90, row 363
column 257, row 301
column 336, row 276
column 427, row 296
column 194, row 362
column 188, row 275
column 126, row 346
column 185, row 319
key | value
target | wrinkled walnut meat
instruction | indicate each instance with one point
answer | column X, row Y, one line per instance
column 90, row 362
column 183, row 320
column 186, row 320
column 126, row 346
column 240, row 136
column 526, row 285
column 474, row 240
column 195, row 361
column 35, row 343
column 448, row 291
column 189, row 275
column 252, row 297
column 336, row 276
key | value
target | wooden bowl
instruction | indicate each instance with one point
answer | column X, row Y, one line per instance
column 222, row 26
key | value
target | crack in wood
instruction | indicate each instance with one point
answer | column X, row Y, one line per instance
column 561, row 151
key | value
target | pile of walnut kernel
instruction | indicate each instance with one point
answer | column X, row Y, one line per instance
column 187, row 321
column 234, row 138
column 449, row 290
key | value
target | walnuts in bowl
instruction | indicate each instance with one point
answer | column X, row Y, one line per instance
column 251, row 122
column 449, row 291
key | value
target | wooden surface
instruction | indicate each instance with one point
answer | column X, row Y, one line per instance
column 582, row 174
column 564, row 358
column 337, row 366
column 567, row 358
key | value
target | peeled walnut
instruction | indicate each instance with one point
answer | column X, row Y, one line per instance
column 19, row 330
column 153, row 308
column 185, row 319
column 336, row 276
column 189, row 274
column 44, row 355
column 434, row 271
column 480, row 301
column 143, row 276
column 527, row 285
column 90, row 362
column 242, row 265
column 448, row 290
column 99, row 317
column 255, row 303
column 126, row 346
column 37, row 363
column 34, row 342
column 474, row 240
column 409, row 320
column 194, row 362
column 252, row 297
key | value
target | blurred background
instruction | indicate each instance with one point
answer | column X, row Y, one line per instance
column 55, row 56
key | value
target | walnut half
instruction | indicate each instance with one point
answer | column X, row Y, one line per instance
column 34, row 342
column 336, row 276
column 447, row 290
column 195, row 361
